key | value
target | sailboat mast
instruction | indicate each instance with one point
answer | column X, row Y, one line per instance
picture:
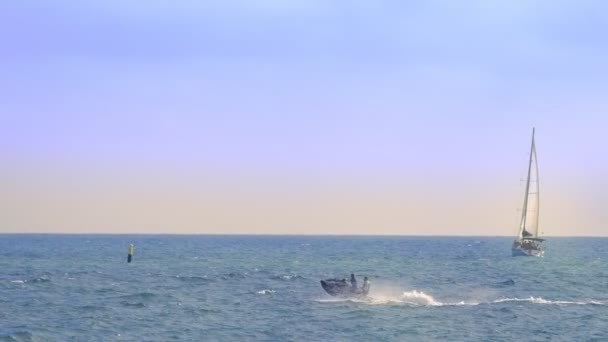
column 525, row 208
column 537, row 188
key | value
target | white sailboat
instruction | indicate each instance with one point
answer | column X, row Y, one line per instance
column 527, row 242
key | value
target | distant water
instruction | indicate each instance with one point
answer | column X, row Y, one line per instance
column 227, row 288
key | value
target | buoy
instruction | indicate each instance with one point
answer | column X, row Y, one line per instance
column 130, row 256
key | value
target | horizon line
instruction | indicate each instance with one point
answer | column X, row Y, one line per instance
column 294, row 235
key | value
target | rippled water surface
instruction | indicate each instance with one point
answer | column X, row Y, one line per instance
column 224, row 288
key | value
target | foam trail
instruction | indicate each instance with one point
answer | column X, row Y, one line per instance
column 540, row 300
column 409, row 297
column 413, row 298
column 389, row 294
column 419, row 298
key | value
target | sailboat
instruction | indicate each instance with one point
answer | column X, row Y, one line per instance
column 527, row 242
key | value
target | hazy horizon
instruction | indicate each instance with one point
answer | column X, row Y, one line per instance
column 307, row 117
column 297, row 235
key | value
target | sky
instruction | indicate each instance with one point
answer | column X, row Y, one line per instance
column 302, row 116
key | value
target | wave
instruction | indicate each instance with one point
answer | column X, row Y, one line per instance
column 17, row 336
column 90, row 307
column 287, row 277
column 234, row 275
column 508, row 282
column 137, row 300
column 265, row 291
column 42, row 279
column 193, row 279
column 139, row 296
column 133, row 305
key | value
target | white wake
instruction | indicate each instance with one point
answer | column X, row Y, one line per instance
column 419, row 298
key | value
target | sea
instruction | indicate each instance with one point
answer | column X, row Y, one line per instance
column 266, row 288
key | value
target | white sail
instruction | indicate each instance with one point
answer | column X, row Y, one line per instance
column 527, row 242
column 528, row 227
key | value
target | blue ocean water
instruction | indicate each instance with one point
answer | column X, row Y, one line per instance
column 266, row 288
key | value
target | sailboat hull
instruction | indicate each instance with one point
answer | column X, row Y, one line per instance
column 518, row 251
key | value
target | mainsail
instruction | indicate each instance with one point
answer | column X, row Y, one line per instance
column 528, row 227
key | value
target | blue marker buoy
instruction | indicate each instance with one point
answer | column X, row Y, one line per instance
column 130, row 256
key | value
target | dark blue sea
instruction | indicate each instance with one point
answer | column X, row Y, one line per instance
column 266, row 288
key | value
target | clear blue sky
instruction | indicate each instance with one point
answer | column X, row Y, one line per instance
column 301, row 116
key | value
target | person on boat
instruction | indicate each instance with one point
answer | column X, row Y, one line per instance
column 353, row 281
column 366, row 286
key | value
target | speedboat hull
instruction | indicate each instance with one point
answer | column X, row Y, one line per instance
column 340, row 288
